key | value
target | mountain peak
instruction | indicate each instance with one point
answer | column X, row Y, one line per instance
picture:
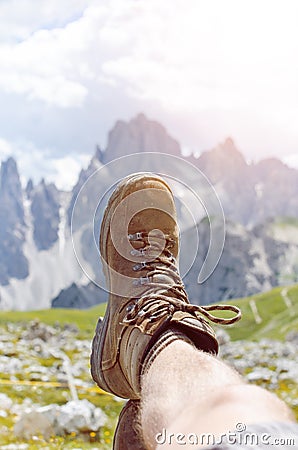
column 10, row 180
column 140, row 118
column 8, row 172
column 229, row 150
column 29, row 188
column 10, row 163
column 229, row 144
column 12, row 224
column 223, row 161
column 272, row 163
column 99, row 154
column 139, row 135
column 45, row 205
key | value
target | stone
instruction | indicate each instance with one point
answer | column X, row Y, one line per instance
column 10, row 365
column 292, row 337
column 74, row 417
column 33, row 424
column 15, row 447
column 222, row 336
column 261, row 373
column 38, row 330
column 5, row 402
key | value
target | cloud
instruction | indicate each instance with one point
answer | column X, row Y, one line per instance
column 291, row 160
column 5, row 149
column 209, row 55
column 21, row 18
column 70, row 68
column 36, row 163
column 66, row 170
column 51, row 65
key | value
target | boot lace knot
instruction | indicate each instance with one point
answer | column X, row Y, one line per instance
column 164, row 290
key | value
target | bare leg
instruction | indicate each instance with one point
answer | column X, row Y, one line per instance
column 189, row 391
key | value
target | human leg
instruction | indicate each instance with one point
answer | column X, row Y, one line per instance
column 189, row 391
column 148, row 308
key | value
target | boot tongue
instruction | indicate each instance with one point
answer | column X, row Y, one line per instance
column 162, row 278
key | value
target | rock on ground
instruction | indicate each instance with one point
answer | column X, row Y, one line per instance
column 32, row 424
column 74, row 417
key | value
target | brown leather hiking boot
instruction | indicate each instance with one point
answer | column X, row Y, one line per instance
column 128, row 433
column 148, row 307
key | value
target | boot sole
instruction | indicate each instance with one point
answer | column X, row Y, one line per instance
column 128, row 434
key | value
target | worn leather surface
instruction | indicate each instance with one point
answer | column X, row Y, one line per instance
column 128, row 435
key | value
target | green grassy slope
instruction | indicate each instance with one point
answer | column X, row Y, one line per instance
column 277, row 318
column 85, row 319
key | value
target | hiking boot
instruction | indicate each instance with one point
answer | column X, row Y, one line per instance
column 148, row 307
column 128, row 434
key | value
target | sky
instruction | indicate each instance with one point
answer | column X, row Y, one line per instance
column 206, row 70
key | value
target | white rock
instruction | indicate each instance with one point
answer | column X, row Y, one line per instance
column 5, row 402
column 15, row 447
column 33, row 424
column 74, row 416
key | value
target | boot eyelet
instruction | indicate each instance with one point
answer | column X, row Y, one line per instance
column 138, row 236
column 141, row 281
column 130, row 308
column 141, row 252
column 140, row 266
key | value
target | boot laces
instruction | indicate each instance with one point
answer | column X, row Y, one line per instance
column 165, row 293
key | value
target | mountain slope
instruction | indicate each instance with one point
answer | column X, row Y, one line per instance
column 274, row 316
column 45, row 209
column 13, row 262
column 253, row 260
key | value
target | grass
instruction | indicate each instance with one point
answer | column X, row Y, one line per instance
column 277, row 319
column 285, row 221
column 85, row 319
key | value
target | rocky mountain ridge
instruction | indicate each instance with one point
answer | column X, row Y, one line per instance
column 36, row 255
column 13, row 262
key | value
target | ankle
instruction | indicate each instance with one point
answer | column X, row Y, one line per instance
column 164, row 340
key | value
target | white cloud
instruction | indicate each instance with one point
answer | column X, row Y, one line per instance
column 36, row 163
column 291, row 160
column 5, row 149
column 67, row 169
column 21, row 18
column 209, row 55
column 50, row 65
column 206, row 69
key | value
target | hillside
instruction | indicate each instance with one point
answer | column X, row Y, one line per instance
column 277, row 309
column 277, row 318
